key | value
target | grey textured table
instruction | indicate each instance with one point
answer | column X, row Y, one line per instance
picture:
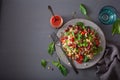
column 24, row 31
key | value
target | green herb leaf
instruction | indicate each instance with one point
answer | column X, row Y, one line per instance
column 44, row 63
column 116, row 27
column 79, row 36
column 86, row 59
column 80, row 24
column 83, row 9
column 97, row 49
column 61, row 68
column 55, row 63
column 51, row 48
column 73, row 34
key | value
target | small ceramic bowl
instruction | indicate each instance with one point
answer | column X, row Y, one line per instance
column 56, row 21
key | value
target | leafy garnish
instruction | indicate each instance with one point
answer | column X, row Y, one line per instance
column 51, row 48
column 61, row 68
column 83, row 10
column 79, row 23
column 85, row 58
column 97, row 49
column 44, row 63
column 116, row 27
column 79, row 36
column 55, row 63
column 73, row 33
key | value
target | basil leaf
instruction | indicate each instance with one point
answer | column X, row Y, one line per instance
column 83, row 9
column 97, row 49
column 51, row 48
column 63, row 70
column 55, row 63
column 86, row 59
column 80, row 24
column 44, row 63
column 116, row 27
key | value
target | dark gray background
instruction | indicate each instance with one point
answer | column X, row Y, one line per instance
column 24, row 31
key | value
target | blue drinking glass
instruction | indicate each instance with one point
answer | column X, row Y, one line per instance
column 108, row 15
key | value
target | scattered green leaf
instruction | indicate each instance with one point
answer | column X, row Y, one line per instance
column 61, row 68
column 116, row 27
column 51, row 48
column 44, row 63
column 83, row 9
column 55, row 63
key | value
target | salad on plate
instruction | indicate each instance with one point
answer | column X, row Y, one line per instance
column 81, row 43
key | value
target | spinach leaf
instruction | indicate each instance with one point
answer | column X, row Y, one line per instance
column 116, row 27
column 44, row 63
column 51, row 48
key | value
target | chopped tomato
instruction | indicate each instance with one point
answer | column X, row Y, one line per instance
column 66, row 37
column 67, row 29
column 97, row 42
column 62, row 39
column 83, row 32
column 89, row 46
column 72, row 39
column 74, row 45
column 80, row 59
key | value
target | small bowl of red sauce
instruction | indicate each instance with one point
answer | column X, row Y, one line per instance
column 56, row 21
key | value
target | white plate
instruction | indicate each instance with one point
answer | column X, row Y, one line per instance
column 90, row 62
